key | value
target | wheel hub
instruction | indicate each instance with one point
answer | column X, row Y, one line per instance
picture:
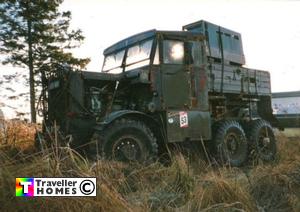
column 264, row 144
column 266, row 141
column 232, row 143
column 126, row 149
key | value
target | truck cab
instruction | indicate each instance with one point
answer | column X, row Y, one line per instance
column 168, row 68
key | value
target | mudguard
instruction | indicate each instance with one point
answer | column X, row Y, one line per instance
column 123, row 113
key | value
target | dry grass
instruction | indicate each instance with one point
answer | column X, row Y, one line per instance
column 276, row 187
column 17, row 134
column 185, row 185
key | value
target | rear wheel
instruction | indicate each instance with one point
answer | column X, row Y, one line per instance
column 230, row 144
column 127, row 140
column 262, row 140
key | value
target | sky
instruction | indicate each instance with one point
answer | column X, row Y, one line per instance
column 270, row 29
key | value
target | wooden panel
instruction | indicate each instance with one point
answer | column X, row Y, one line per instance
column 239, row 80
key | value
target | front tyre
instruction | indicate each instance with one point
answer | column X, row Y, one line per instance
column 262, row 139
column 230, row 143
column 129, row 141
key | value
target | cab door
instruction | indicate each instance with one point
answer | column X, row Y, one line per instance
column 185, row 93
column 175, row 77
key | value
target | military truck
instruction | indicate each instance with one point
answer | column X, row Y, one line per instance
column 161, row 87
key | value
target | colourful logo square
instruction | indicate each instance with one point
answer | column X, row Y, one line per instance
column 24, row 187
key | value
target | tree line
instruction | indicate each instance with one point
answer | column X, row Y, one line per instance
column 36, row 35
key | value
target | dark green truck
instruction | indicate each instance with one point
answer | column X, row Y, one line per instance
column 161, row 87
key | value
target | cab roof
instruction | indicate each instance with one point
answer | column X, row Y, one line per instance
column 147, row 35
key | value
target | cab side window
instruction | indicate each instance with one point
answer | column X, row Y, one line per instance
column 173, row 52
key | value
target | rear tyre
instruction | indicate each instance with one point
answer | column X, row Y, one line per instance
column 230, row 143
column 127, row 140
column 262, row 140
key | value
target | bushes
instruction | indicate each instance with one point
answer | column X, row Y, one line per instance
column 17, row 134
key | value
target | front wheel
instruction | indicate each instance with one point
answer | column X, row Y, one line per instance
column 230, row 143
column 127, row 140
column 262, row 139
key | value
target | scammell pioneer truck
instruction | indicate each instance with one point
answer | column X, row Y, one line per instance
column 161, row 87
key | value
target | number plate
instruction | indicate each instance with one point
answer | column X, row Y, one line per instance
column 183, row 118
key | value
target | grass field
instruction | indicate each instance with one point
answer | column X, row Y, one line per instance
column 189, row 183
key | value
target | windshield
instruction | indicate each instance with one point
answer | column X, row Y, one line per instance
column 136, row 56
column 113, row 62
